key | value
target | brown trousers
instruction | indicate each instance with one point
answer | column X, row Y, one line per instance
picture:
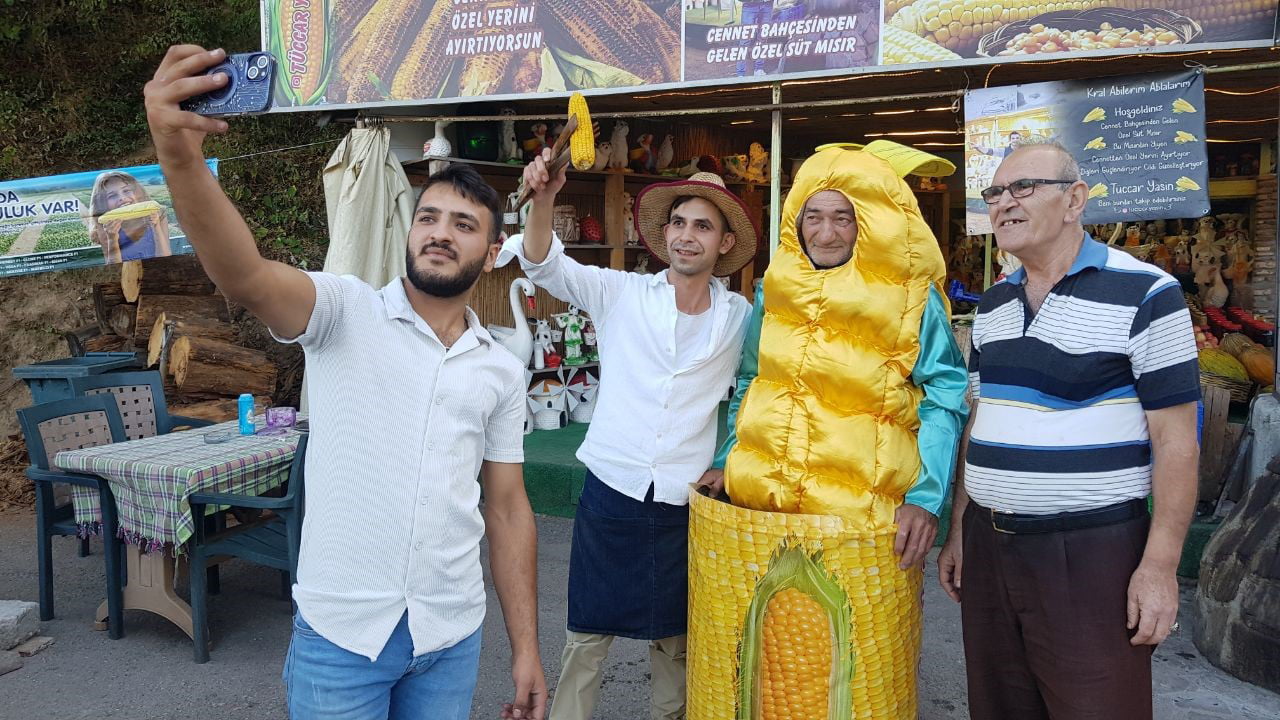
column 1044, row 623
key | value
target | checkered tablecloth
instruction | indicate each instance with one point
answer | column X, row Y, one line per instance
column 153, row 478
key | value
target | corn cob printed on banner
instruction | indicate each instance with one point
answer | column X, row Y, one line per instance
column 1031, row 29
column 87, row 219
column 370, row 51
column 797, row 616
column 1137, row 138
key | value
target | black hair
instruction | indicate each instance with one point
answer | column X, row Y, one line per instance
column 469, row 184
column 724, row 219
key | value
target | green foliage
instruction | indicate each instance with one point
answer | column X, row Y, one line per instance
column 63, row 236
column 71, row 99
column 6, row 241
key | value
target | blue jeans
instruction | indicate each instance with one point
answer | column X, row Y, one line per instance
column 324, row 681
column 753, row 13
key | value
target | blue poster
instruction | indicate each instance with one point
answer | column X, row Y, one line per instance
column 1139, row 140
column 86, row 219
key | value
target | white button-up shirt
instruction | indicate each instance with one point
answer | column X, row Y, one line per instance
column 655, row 418
column 399, row 428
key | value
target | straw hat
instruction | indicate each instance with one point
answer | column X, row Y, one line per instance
column 653, row 210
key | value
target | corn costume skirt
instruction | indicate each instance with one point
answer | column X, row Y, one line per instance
column 798, row 616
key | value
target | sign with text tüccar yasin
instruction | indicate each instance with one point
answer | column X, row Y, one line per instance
column 86, row 219
column 1139, row 141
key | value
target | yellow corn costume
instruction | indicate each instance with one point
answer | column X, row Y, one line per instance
column 797, row 606
column 810, row 440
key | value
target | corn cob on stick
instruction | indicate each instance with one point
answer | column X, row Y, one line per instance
column 604, row 33
column 376, row 44
column 424, row 67
column 483, row 74
column 797, row 658
column 1096, row 144
column 1184, row 137
column 1098, row 190
column 1182, row 106
column 900, row 47
column 1095, row 115
column 582, row 146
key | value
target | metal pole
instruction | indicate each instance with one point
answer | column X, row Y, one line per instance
column 775, row 174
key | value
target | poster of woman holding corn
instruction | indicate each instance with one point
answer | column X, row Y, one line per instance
column 126, row 223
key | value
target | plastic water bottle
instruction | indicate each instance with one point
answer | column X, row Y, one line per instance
column 246, row 414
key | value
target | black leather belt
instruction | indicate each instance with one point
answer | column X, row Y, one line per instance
column 1017, row 524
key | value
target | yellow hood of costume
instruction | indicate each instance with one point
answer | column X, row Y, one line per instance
column 829, row 424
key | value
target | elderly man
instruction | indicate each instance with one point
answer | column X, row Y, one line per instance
column 1084, row 372
column 850, row 397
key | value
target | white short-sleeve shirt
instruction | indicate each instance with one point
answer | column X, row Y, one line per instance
column 399, row 428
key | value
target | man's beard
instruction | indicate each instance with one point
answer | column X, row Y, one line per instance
column 442, row 286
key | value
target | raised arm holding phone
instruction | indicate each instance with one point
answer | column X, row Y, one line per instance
column 411, row 399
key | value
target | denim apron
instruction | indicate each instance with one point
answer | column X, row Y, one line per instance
column 628, row 567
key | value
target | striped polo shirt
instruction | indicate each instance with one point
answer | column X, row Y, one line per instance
column 1062, row 393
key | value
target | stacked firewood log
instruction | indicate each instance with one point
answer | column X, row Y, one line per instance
column 170, row 310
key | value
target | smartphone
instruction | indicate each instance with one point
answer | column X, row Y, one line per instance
column 251, row 77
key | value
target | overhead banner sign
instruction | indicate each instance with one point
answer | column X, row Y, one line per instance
column 86, row 219
column 1139, row 141
column 367, row 52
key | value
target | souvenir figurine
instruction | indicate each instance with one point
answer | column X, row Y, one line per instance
column 572, row 323
column 590, row 349
column 603, row 152
column 642, row 158
column 629, row 235
column 757, row 164
column 534, row 145
column 666, row 153
column 618, row 159
column 510, row 147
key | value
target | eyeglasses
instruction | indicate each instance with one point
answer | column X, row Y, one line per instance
column 1018, row 188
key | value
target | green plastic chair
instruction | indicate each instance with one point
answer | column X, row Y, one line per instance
column 73, row 424
column 272, row 542
column 140, row 399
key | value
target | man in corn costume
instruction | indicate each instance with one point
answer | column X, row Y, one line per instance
column 844, row 427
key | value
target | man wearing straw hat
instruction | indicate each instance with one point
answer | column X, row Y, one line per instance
column 669, row 344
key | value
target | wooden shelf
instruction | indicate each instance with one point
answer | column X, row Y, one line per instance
column 421, row 166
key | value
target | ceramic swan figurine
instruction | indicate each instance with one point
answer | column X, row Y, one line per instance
column 439, row 147
column 517, row 339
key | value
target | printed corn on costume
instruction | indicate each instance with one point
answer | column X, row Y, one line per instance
column 851, row 403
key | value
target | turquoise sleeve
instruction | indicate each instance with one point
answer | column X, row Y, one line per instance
column 747, row 370
column 940, row 372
